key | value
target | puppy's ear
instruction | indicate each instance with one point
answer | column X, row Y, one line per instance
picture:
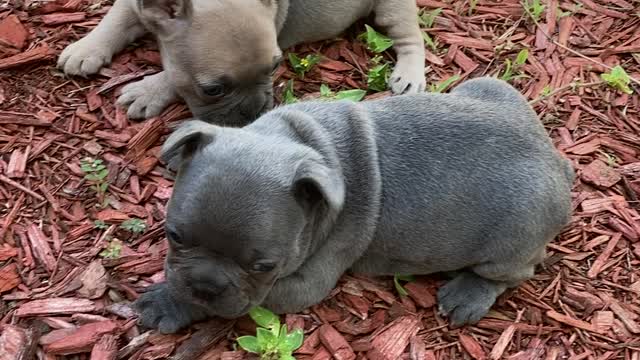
column 315, row 185
column 165, row 17
column 185, row 141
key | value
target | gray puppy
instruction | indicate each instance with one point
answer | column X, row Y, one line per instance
column 219, row 55
column 274, row 213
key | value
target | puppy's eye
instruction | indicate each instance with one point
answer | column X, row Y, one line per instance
column 173, row 236
column 214, row 90
column 263, row 267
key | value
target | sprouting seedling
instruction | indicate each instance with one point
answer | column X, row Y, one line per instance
column 378, row 77
column 397, row 278
column 427, row 18
column 376, row 42
column 134, row 225
column 272, row 340
column 472, row 6
column 443, row 85
column 302, row 65
column 96, row 173
column 354, row 95
column 534, row 8
column 99, row 224
column 112, row 251
column 618, row 79
column 509, row 69
column 289, row 97
column 546, row 90
column 433, row 44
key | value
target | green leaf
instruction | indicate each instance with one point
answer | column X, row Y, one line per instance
column 293, row 340
column 428, row 17
column 266, row 339
column 101, row 174
column 325, row 91
column 286, row 357
column 618, row 79
column 249, row 344
column 264, row 317
column 376, row 42
column 522, row 57
column 289, row 97
column 396, row 281
column 378, row 77
column 102, row 188
column 507, row 75
column 353, row 95
column 443, row 85
column 429, row 41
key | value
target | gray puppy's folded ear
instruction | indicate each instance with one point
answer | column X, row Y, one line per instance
column 186, row 140
column 315, row 184
column 165, row 17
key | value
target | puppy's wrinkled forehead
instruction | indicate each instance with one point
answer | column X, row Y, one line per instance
column 241, row 41
column 233, row 192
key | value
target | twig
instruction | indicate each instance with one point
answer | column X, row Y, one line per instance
column 526, row 9
column 563, row 88
column 20, row 187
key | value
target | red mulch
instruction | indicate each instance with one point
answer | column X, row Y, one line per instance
column 60, row 297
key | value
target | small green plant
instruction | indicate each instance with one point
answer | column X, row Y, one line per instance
column 397, row 278
column 509, row 69
column 99, row 224
column 433, row 44
column 289, row 97
column 96, row 173
column 134, row 225
column 272, row 340
column 444, row 84
column 427, row 18
column 302, row 65
column 376, row 42
column 618, row 79
column 534, row 8
column 113, row 250
column 472, row 6
column 378, row 76
column 354, row 95
column 546, row 91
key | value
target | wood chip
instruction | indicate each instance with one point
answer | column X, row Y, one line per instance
column 83, row 338
column 392, row 342
column 335, row 343
column 55, row 306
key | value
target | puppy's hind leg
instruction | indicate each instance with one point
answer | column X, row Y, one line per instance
column 119, row 27
column 468, row 297
column 399, row 18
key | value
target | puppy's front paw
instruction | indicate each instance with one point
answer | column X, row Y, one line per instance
column 467, row 298
column 147, row 97
column 157, row 309
column 84, row 57
column 408, row 78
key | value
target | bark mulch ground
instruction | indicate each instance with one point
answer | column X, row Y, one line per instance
column 68, row 266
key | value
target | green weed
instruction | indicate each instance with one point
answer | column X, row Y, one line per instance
column 273, row 341
column 302, row 65
column 397, row 278
column 618, row 79
column 113, row 250
column 96, row 173
column 289, row 97
column 427, row 18
column 134, row 226
column 443, row 85
column 352, row 94
column 376, row 42
column 509, row 69
column 534, row 8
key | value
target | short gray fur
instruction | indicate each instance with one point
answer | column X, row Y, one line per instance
column 412, row 184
